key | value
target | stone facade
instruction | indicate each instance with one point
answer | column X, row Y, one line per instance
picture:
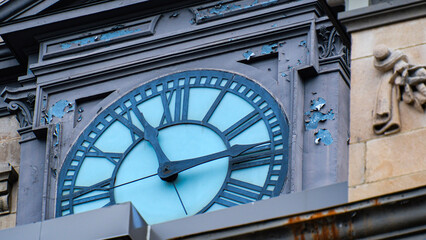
column 9, row 155
column 380, row 164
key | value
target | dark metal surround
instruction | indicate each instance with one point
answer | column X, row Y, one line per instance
column 266, row 110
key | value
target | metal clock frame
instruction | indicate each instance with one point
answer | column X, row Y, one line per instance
column 232, row 192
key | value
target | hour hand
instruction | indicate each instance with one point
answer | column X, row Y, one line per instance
column 151, row 135
column 168, row 170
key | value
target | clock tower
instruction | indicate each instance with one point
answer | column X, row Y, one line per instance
column 189, row 110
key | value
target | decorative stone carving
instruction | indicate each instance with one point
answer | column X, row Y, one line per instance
column 8, row 176
column 21, row 102
column 399, row 77
column 330, row 44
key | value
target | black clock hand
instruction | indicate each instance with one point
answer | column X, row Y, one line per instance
column 151, row 135
column 169, row 169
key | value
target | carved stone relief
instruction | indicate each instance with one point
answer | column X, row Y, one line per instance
column 401, row 81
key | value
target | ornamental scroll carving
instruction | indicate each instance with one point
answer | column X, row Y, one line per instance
column 20, row 102
column 401, row 81
column 330, row 44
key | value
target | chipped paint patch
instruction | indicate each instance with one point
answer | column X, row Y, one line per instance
column 174, row 15
column 102, row 37
column 269, row 48
column 316, row 117
column 324, row 136
column 57, row 133
column 302, row 43
column 318, row 104
column 284, row 74
column 58, row 110
column 248, row 54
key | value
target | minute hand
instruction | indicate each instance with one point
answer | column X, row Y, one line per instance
column 168, row 169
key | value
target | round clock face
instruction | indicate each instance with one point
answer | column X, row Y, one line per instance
column 188, row 143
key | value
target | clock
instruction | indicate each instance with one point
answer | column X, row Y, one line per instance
column 187, row 143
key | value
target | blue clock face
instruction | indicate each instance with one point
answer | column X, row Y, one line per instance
column 188, row 143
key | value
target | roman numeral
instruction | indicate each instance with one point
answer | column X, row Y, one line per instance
column 135, row 131
column 242, row 125
column 239, row 192
column 181, row 105
column 167, row 116
column 96, row 152
column 216, row 102
column 103, row 186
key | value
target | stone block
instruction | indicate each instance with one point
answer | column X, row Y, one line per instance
column 387, row 186
column 8, row 127
column 396, row 155
column 7, row 221
column 395, row 36
column 356, row 164
column 364, row 87
column 14, row 197
column 10, row 152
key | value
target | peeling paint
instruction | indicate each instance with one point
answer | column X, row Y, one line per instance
column 174, row 15
column 274, row 25
column 248, row 54
column 302, row 43
column 57, row 133
column 58, row 110
column 102, row 37
column 318, row 104
column 284, row 74
column 269, row 48
column 315, row 117
column 299, row 62
column 324, row 136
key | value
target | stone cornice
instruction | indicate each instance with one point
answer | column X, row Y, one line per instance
column 382, row 14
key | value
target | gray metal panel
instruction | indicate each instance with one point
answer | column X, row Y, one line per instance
column 283, row 205
column 120, row 220
column 110, row 222
column 27, row 232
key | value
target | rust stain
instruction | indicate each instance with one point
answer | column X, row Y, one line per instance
column 325, row 234
column 334, row 231
column 376, row 202
column 350, row 230
column 297, row 227
column 323, row 214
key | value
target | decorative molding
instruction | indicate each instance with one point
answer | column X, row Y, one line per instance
column 20, row 102
column 8, row 176
column 330, row 44
column 221, row 9
column 398, row 77
column 382, row 14
column 100, row 37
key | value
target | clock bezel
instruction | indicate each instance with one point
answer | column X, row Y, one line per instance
column 92, row 127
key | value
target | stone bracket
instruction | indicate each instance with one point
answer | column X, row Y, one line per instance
column 8, row 176
column 21, row 102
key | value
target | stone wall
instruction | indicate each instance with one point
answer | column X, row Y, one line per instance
column 9, row 153
column 382, row 164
